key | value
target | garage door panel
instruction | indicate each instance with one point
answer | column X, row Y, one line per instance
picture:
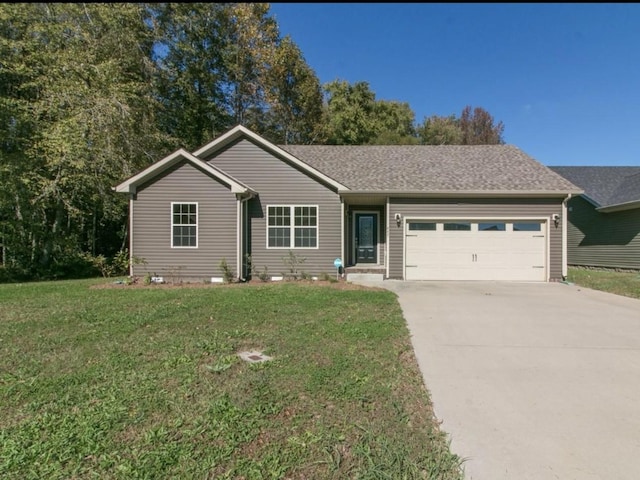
column 475, row 255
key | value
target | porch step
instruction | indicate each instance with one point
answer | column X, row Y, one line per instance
column 365, row 277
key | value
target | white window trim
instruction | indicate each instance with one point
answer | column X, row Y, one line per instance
column 171, row 224
column 292, row 227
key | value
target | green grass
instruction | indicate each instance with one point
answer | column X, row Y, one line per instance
column 146, row 383
column 620, row 283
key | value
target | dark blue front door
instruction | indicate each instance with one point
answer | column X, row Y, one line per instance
column 366, row 237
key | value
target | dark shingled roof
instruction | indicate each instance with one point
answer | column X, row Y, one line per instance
column 605, row 185
column 432, row 168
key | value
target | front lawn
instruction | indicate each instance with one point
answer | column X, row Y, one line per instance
column 135, row 382
column 620, row 283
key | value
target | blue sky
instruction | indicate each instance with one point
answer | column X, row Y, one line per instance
column 563, row 78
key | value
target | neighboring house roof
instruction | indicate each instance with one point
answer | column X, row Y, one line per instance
column 433, row 168
column 609, row 188
column 130, row 185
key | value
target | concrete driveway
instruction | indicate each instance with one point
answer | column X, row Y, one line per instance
column 531, row 381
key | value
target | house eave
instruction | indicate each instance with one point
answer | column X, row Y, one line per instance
column 619, row 207
column 240, row 131
column 463, row 193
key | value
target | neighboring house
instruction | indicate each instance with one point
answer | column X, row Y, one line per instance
column 604, row 228
column 485, row 212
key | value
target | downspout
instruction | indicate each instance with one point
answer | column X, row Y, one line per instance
column 564, row 237
column 240, row 236
column 386, row 246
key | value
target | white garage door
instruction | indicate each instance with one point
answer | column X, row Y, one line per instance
column 476, row 250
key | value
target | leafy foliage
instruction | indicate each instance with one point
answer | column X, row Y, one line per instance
column 478, row 127
column 91, row 93
column 80, row 117
column 474, row 127
column 350, row 112
column 440, row 131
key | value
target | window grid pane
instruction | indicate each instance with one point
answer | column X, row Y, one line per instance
column 184, row 220
column 305, row 237
column 279, row 216
column 303, row 229
column 279, row 237
column 184, row 236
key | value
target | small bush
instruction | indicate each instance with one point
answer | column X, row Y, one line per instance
column 227, row 271
column 324, row 276
column 264, row 274
column 293, row 263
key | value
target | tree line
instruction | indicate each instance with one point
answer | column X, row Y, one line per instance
column 91, row 93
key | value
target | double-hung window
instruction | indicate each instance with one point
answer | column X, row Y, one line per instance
column 184, row 225
column 292, row 226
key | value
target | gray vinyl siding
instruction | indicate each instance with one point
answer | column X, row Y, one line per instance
column 610, row 240
column 217, row 222
column 458, row 208
column 279, row 183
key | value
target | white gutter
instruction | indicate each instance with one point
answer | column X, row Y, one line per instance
column 239, row 237
column 342, row 239
column 131, row 235
column 461, row 193
column 564, row 237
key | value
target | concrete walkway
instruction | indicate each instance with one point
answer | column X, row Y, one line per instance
column 531, row 381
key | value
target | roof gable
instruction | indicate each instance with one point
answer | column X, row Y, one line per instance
column 130, row 185
column 239, row 132
column 606, row 187
column 481, row 169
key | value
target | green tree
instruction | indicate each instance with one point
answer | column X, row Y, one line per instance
column 190, row 47
column 355, row 117
column 350, row 112
column 294, row 96
column 251, row 40
column 474, row 127
column 394, row 123
column 225, row 64
column 436, row 130
column 78, row 87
